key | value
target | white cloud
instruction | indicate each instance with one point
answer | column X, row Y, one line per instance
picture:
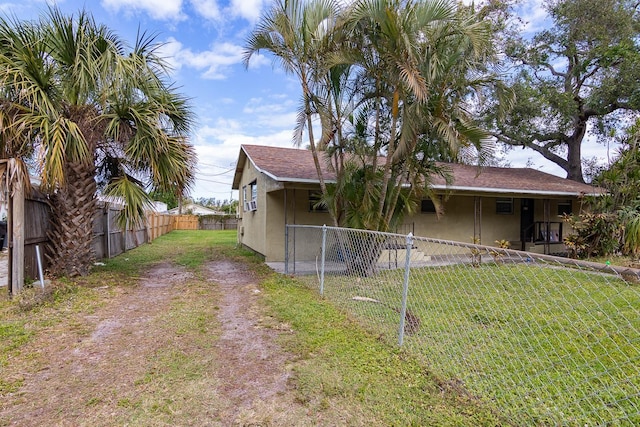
column 168, row 10
column 279, row 112
column 26, row 8
column 8, row 7
column 170, row 50
column 219, row 145
column 207, row 9
column 534, row 15
column 258, row 106
column 247, row 9
column 258, row 60
column 215, row 63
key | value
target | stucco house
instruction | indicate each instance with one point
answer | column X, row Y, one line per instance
column 278, row 186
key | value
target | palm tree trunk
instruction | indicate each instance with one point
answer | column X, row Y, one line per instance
column 73, row 210
column 383, row 225
column 314, row 150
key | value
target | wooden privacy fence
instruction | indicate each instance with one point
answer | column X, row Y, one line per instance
column 28, row 224
column 109, row 239
column 185, row 222
column 159, row 224
column 27, row 233
column 218, row 222
column 36, row 226
column 204, row 222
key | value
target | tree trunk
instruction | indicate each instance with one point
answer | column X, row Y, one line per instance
column 73, row 210
column 306, row 92
column 382, row 224
column 574, row 158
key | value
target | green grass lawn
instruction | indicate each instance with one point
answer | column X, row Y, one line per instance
column 546, row 345
column 340, row 372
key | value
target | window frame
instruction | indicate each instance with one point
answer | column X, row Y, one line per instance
column 432, row 208
column 250, row 204
column 565, row 203
column 505, row 202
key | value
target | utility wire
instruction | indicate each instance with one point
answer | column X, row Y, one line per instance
column 215, row 174
column 215, row 182
column 217, row 166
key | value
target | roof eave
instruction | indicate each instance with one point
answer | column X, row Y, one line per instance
column 513, row 191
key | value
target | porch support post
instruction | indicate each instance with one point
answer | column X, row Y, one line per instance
column 286, row 235
column 547, row 219
column 286, row 249
column 477, row 220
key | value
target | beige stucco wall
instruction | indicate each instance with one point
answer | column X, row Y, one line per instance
column 251, row 225
column 457, row 223
column 297, row 211
column 264, row 230
column 278, row 204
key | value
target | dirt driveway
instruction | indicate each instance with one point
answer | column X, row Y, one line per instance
column 98, row 367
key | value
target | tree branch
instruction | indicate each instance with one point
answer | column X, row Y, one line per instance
column 544, row 149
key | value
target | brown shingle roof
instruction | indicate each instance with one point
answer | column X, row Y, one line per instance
column 296, row 165
column 512, row 180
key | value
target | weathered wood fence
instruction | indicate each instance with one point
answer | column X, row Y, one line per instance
column 110, row 240
column 218, row 222
column 36, row 226
column 28, row 224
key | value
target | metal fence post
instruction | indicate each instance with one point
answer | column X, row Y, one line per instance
column 405, row 288
column 324, row 244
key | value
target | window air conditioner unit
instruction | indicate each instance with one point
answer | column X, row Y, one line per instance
column 247, row 206
column 253, row 205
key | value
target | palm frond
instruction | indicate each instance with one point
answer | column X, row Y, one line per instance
column 135, row 198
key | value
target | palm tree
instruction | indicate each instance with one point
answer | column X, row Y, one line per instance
column 416, row 64
column 298, row 33
column 385, row 77
column 94, row 113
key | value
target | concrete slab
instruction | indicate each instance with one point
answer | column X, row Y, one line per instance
column 4, row 268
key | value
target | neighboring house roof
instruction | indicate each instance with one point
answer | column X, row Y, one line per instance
column 118, row 202
column 296, row 165
column 159, row 207
column 196, row 210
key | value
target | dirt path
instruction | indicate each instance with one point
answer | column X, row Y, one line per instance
column 94, row 369
column 254, row 370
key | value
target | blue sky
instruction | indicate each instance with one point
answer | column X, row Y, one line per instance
column 204, row 41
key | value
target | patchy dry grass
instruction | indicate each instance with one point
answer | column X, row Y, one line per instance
column 138, row 343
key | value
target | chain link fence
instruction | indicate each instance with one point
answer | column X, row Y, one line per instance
column 545, row 340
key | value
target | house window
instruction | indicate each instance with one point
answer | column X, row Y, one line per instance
column 549, row 232
column 427, row 206
column 250, row 196
column 244, row 197
column 254, row 191
column 564, row 207
column 315, row 204
column 504, row 206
